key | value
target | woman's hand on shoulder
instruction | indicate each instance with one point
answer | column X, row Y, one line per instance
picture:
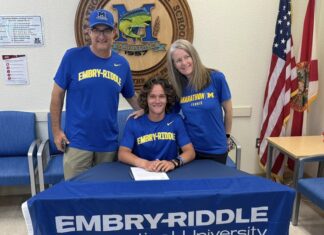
column 136, row 114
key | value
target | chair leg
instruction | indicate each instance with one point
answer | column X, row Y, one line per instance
column 296, row 210
column 33, row 186
column 30, row 158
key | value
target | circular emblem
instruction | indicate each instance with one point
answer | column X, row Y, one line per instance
column 145, row 31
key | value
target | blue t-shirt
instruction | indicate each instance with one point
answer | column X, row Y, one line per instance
column 203, row 115
column 155, row 140
column 93, row 85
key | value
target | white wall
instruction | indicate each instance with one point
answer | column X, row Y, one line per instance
column 58, row 22
column 233, row 36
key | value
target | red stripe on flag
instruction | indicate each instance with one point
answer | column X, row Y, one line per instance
column 293, row 80
column 307, row 40
column 297, row 124
column 308, row 47
column 273, row 100
column 276, row 130
column 278, row 164
column 313, row 70
column 274, row 59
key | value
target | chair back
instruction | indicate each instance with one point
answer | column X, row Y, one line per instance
column 52, row 146
column 17, row 132
column 122, row 119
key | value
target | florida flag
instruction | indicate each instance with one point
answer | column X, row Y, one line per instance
column 307, row 73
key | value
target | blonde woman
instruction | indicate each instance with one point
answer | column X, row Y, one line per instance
column 203, row 97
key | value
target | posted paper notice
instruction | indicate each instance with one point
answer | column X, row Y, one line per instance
column 15, row 69
column 21, row 31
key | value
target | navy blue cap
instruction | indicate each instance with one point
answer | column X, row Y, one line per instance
column 101, row 16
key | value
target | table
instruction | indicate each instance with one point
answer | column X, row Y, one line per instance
column 300, row 149
column 198, row 169
column 201, row 198
column 297, row 148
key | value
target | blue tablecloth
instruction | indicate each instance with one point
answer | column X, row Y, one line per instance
column 198, row 169
column 201, row 198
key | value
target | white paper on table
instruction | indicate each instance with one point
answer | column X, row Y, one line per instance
column 138, row 173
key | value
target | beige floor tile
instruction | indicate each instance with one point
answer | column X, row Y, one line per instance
column 310, row 221
column 11, row 218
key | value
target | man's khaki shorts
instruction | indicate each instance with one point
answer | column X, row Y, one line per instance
column 76, row 161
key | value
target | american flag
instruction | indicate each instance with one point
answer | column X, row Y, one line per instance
column 281, row 85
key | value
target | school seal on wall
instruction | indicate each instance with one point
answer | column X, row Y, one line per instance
column 145, row 31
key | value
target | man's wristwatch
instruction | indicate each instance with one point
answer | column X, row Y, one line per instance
column 228, row 135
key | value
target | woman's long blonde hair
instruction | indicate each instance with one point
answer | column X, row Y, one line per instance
column 201, row 75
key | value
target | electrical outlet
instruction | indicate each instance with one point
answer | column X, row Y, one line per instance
column 257, row 143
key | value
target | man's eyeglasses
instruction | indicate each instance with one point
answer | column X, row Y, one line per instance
column 105, row 32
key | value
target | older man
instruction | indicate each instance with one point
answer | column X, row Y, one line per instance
column 92, row 78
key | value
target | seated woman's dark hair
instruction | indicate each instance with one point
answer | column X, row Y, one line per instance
column 147, row 87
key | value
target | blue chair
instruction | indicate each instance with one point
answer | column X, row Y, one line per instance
column 18, row 146
column 311, row 188
column 122, row 118
column 50, row 160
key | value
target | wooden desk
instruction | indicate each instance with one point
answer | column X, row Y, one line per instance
column 301, row 149
column 297, row 148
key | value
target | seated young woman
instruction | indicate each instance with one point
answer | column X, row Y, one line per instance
column 152, row 141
